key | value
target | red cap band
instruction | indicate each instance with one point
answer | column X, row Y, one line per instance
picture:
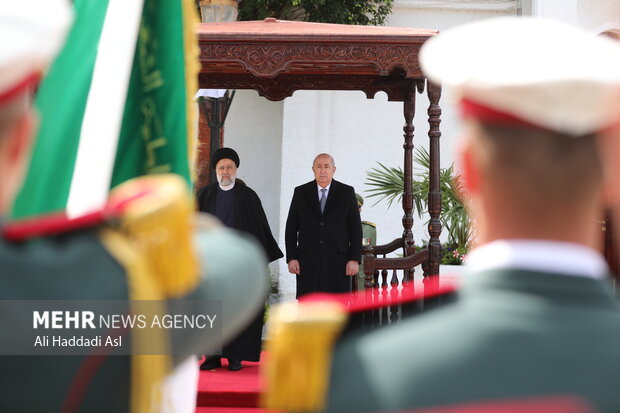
column 485, row 114
column 19, row 87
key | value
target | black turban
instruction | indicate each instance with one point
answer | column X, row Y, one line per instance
column 224, row 153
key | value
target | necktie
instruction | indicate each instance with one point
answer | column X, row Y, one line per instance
column 323, row 199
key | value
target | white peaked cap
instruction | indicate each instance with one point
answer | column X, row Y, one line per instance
column 31, row 33
column 543, row 72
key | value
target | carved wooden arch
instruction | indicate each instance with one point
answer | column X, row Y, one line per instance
column 276, row 58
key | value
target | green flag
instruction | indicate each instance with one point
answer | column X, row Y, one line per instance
column 115, row 104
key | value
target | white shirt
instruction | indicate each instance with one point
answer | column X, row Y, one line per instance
column 538, row 255
column 326, row 192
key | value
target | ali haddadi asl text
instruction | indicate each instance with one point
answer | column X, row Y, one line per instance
column 75, row 341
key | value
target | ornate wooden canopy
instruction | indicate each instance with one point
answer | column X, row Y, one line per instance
column 276, row 58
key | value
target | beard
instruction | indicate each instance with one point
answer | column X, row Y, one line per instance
column 226, row 181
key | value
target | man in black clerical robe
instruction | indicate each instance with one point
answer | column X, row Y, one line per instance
column 238, row 206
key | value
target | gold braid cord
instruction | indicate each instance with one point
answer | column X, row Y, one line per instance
column 301, row 340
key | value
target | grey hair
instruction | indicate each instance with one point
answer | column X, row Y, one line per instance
column 324, row 154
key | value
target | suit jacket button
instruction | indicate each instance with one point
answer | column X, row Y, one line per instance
column 322, row 223
column 321, row 241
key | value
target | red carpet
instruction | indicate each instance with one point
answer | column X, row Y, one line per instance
column 233, row 410
column 221, row 390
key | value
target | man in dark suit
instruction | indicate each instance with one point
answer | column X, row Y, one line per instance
column 536, row 315
column 323, row 232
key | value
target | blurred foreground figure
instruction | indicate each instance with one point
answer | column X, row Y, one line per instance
column 535, row 315
column 139, row 247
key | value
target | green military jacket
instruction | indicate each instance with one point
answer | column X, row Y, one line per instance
column 77, row 266
column 369, row 237
column 510, row 334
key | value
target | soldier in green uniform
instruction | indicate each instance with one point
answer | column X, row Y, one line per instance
column 139, row 247
column 369, row 237
column 535, row 315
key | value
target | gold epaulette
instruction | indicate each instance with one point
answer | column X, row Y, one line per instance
column 372, row 224
column 302, row 337
column 156, row 215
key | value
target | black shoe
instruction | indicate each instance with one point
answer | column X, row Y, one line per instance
column 211, row 363
column 234, row 364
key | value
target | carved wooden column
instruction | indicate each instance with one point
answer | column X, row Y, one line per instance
column 203, row 161
column 434, row 194
column 409, row 112
column 369, row 265
column 211, row 118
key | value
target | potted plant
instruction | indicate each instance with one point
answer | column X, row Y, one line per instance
column 386, row 183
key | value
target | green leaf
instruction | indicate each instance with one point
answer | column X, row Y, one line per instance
column 387, row 183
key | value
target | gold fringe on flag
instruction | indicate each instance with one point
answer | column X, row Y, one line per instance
column 147, row 371
column 159, row 223
column 153, row 242
column 300, row 347
column 192, row 67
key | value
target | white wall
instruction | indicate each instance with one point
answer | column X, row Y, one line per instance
column 593, row 15
column 443, row 14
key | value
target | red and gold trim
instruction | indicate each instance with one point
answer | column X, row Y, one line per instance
column 27, row 83
column 367, row 300
column 59, row 223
